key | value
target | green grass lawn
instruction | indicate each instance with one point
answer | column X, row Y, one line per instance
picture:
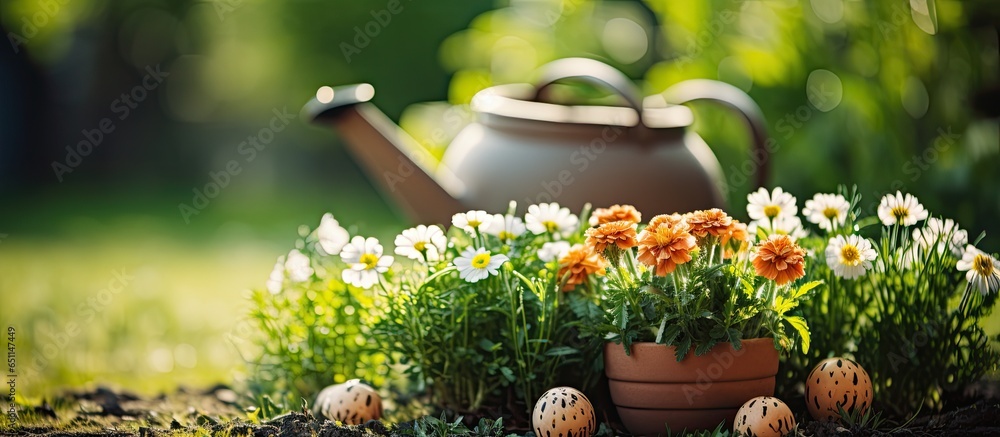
column 120, row 291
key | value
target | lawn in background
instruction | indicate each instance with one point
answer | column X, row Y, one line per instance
column 181, row 286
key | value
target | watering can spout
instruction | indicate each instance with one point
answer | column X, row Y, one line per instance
column 394, row 161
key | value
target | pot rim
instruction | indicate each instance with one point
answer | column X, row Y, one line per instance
column 512, row 101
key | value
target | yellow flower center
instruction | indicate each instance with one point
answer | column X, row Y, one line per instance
column 772, row 211
column 474, row 223
column 830, row 212
column 420, row 246
column 480, row 261
column 504, row 235
column 850, row 255
column 369, row 260
column 551, row 226
column 983, row 265
column 900, row 212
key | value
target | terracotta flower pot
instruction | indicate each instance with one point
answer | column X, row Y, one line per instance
column 652, row 391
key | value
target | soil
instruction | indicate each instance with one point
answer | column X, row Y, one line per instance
column 216, row 412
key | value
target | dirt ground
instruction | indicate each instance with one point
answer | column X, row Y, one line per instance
column 216, row 412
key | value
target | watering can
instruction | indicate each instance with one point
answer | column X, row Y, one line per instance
column 526, row 148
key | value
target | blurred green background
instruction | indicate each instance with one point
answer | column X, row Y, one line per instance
column 884, row 94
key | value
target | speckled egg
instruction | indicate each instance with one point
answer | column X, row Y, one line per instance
column 837, row 382
column 563, row 412
column 352, row 403
column 764, row 416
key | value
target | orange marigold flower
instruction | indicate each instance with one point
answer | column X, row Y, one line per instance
column 619, row 233
column 665, row 246
column 736, row 232
column 615, row 213
column 707, row 222
column 580, row 262
column 669, row 219
column 780, row 259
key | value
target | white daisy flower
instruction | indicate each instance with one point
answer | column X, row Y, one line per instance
column 331, row 236
column 275, row 281
column 783, row 225
column 550, row 217
column 942, row 234
column 900, row 210
column 421, row 243
column 827, row 210
column 850, row 257
column 983, row 270
column 472, row 221
column 554, row 250
column 476, row 264
column 298, row 266
column 364, row 257
column 506, row 227
column 768, row 206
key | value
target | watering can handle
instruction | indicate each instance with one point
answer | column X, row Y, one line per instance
column 592, row 72
column 734, row 98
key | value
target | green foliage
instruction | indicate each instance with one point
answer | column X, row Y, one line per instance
column 430, row 426
column 310, row 334
column 856, row 419
column 722, row 430
column 911, row 321
column 506, row 338
column 501, row 339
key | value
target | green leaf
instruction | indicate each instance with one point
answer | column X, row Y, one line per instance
column 866, row 222
column 489, row 346
column 718, row 332
column 683, row 348
column 584, row 308
column 734, row 336
column 669, row 335
column 508, row 374
column 560, row 351
column 527, row 282
column 805, row 288
column 621, row 319
column 430, row 279
column 802, row 328
column 704, row 347
column 782, row 305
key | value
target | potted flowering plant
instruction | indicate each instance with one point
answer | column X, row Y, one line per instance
column 693, row 283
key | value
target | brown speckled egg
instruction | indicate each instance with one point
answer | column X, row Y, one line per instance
column 764, row 416
column 837, row 382
column 563, row 412
column 352, row 403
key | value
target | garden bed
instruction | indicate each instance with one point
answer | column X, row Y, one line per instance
column 218, row 412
